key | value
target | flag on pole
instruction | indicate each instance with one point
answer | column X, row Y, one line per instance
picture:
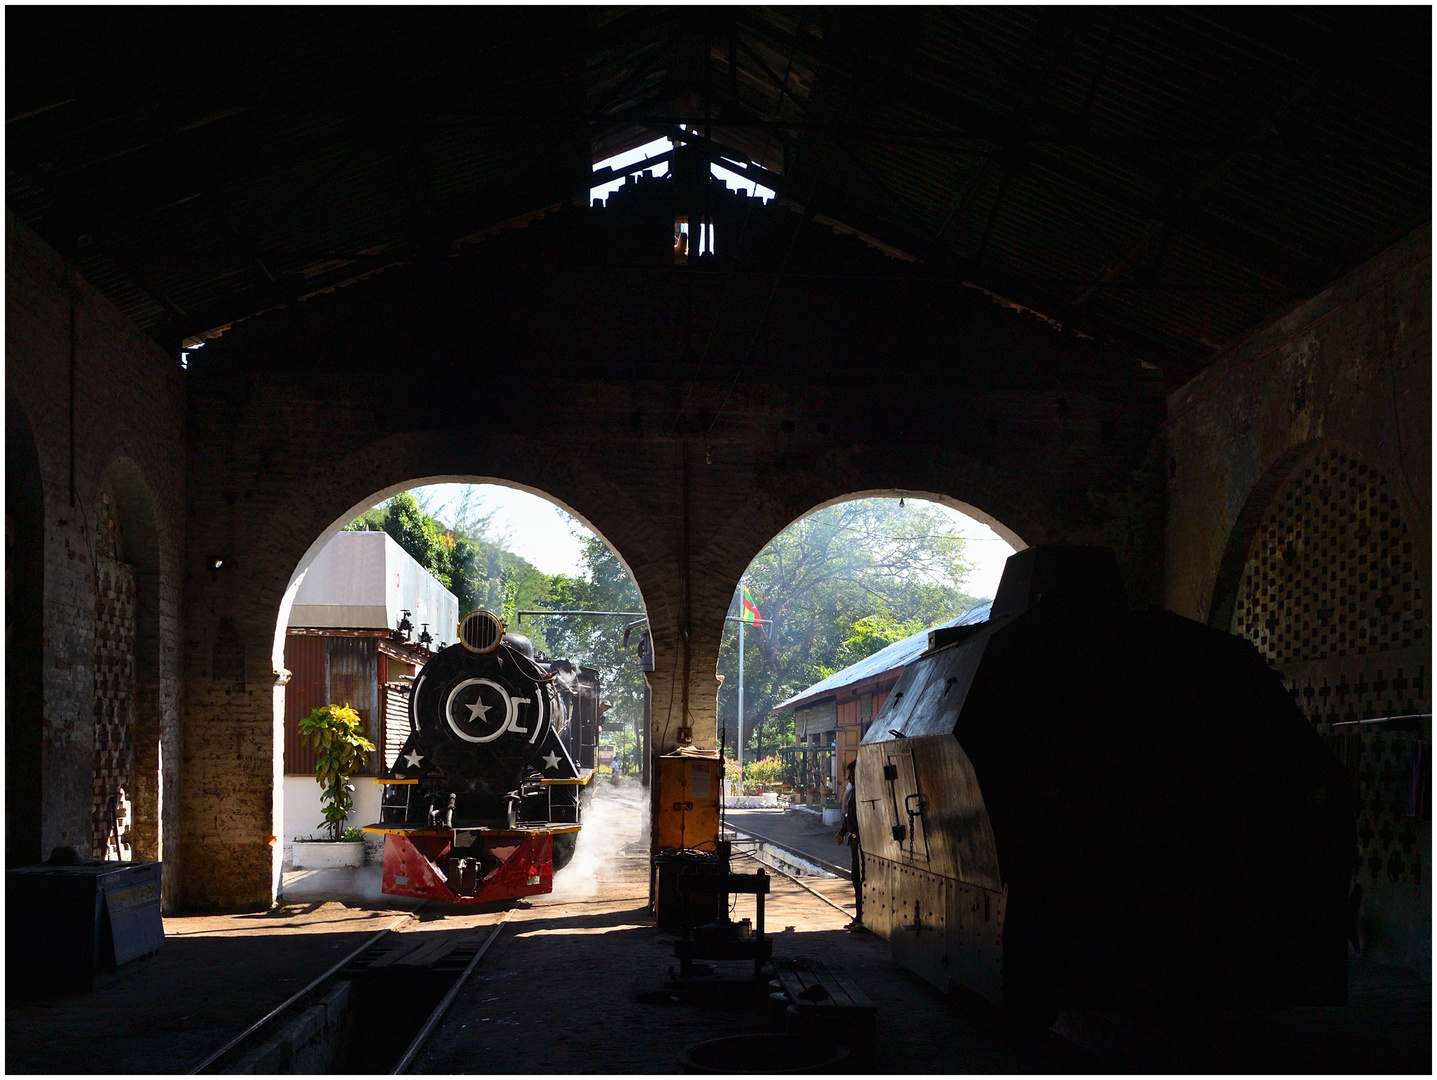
column 750, row 609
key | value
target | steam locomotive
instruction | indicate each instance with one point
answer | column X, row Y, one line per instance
column 484, row 800
column 1077, row 805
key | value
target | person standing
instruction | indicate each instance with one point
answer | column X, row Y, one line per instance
column 849, row 830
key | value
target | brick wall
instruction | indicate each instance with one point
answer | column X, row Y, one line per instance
column 128, row 405
column 1300, row 517
column 578, row 383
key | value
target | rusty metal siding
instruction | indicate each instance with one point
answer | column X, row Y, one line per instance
column 323, row 670
column 304, row 657
column 352, row 677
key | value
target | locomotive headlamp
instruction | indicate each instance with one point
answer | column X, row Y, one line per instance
column 481, row 631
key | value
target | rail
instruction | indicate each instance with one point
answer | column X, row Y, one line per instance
column 232, row 1054
column 287, row 1006
column 778, row 869
column 438, row 1014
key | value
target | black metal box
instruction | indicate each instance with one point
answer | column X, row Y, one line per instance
column 65, row 925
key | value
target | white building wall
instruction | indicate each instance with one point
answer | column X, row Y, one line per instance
column 364, row 580
column 302, row 815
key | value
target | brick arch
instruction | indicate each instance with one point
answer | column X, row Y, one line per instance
column 756, row 539
column 590, row 384
column 249, row 598
column 982, row 516
column 1323, row 574
column 132, row 543
column 1240, row 537
column 355, row 507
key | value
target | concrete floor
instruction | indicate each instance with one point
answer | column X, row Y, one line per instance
column 800, row 831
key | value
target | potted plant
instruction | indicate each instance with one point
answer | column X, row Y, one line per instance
column 337, row 733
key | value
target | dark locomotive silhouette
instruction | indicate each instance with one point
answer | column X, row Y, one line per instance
column 484, row 801
column 1077, row 805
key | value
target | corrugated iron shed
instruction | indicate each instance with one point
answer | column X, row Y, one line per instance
column 893, row 657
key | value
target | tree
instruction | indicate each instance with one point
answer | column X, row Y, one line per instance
column 479, row 572
column 483, row 574
column 599, row 641
column 834, row 588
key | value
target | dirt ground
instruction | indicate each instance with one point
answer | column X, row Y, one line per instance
column 556, row 992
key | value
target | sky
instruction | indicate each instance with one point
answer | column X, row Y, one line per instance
column 539, row 531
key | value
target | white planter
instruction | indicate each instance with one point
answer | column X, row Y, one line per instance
column 770, row 798
column 326, row 854
column 832, row 816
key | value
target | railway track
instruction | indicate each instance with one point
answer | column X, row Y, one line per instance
column 394, row 988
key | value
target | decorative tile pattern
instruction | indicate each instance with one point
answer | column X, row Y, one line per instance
column 1386, row 765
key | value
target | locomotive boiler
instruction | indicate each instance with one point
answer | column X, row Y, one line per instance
column 1077, row 805
column 484, row 800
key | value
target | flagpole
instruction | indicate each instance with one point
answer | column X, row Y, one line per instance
column 742, row 622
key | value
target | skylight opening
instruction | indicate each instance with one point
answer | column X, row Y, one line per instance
column 185, row 354
column 632, row 163
column 739, row 183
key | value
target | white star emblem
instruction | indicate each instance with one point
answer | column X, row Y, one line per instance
column 413, row 758
column 551, row 760
column 478, row 711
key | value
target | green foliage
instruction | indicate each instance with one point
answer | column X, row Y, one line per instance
column 353, row 834
column 833, row 588
column 599, row 641
column 771, row 772
column 874, row 632
column 337, row 731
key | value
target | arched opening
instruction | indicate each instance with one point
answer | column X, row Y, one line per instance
column 817, row 630
column 135, row 750
column 380, row 594
column 1321, row 574
column 24, row 600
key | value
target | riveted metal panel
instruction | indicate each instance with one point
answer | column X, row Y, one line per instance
column 920, row 937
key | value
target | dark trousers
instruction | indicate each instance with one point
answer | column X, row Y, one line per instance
column 857, row 853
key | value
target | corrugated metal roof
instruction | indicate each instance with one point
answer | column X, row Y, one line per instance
column 889, row 658
column 1166, row 179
